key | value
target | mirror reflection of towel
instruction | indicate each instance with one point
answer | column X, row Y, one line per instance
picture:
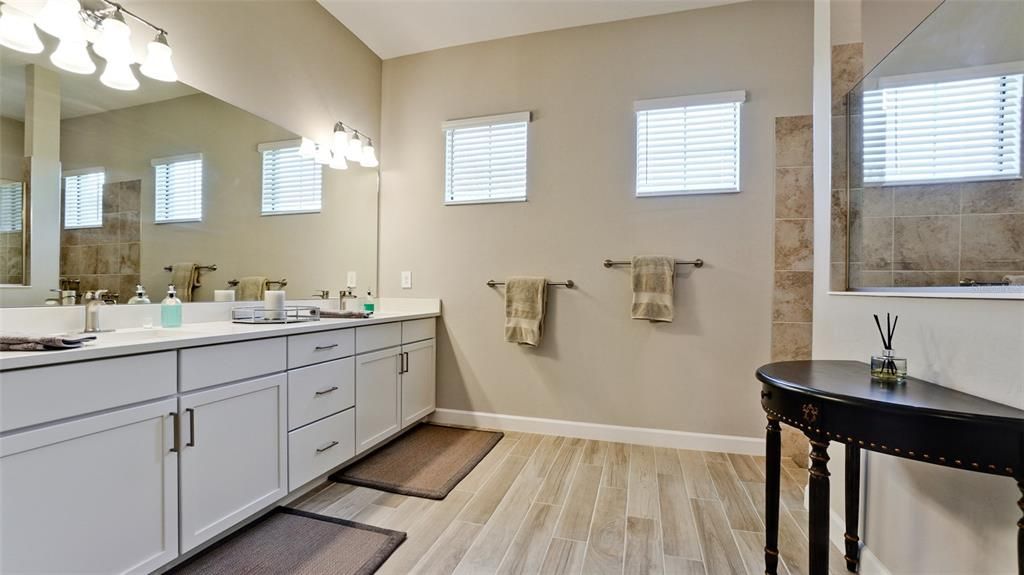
column 525, row 305
column 185, row 278
column 252, row 288
column 653, row 288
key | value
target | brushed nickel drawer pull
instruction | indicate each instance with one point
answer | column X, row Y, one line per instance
column 326, row 391
column 325, row 347
column 326, row 447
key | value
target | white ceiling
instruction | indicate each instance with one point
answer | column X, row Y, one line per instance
column 393, row 28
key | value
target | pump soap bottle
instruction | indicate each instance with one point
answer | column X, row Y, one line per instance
column 170, row 309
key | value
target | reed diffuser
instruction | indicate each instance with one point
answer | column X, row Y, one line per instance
column 887, row 368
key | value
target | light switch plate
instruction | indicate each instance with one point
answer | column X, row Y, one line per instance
column 406, row 280
column 351, row 281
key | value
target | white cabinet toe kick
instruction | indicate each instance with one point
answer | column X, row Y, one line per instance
column 127, row 464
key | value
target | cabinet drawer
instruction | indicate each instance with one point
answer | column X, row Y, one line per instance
column 205, row 366
column 417, row 330
column 320, row 390
column 320, row 447
column 374, row 337
column 318, row 347
column 38, row 395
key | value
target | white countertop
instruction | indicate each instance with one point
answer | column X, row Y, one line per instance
column 133, row 341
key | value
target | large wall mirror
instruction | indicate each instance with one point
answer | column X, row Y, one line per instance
column 929, row 160
column 109, row 189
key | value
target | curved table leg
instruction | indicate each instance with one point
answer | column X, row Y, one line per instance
column 773, row 470
column 852, row 507
column 819, row 510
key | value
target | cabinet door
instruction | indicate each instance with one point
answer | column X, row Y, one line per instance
column 418, row 382
column 233, row 455
column 94, row 495
column 377, row 397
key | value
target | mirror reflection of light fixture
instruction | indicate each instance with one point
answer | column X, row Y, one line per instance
column 369, row 158
column 354, row 151
column 72, row 55
column 307, row 149
column 338, row 161
column 115, row 47
column 17, row 32
column 323, row 154
column 158, row 65
column 61, row 19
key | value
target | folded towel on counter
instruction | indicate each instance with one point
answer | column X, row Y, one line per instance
column 43, row 343
column 185, row 278
column 252, row 288
column 525, row 304
column 1014, row 280
column 653, row 287
column 343, row 314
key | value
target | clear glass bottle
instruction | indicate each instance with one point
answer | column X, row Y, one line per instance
column 170, row 309
column 887, row 368
column 370, row 305
column 140, row 296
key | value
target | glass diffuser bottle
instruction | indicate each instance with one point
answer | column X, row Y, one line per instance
column 887, row 368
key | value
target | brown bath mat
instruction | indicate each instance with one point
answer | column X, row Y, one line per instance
column 298, row 543
column 427, row 461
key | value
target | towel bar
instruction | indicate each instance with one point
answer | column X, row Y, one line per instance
column 697, row 263
column 567, row 283
column 211, row 267
column 282, row 282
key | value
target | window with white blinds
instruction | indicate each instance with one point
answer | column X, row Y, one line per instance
column 943, row 131
column 485, row 159
column 178, row 188
column 291, row 184
column 688, row 144
column 11, row 206
column 83, row 198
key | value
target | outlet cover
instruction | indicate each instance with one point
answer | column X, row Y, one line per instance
column 351, row 281
column 406, row 280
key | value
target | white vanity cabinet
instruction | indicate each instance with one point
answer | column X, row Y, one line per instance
column 233, row 455
column 418, row 382
column 377, row 396
column 97, row 494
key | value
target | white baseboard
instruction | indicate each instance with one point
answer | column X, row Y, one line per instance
column 869, row 563
column 618, row 433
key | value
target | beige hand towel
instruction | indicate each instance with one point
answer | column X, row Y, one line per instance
column 525, row 304
column 1014, row 280
column 653, row 287
column 185, row 277
column 252, row 288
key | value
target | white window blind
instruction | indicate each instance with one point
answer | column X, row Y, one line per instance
column 689, row 144
column 943, row 131
column 291, row 184
column 11, row 205
column 83, row 198
column 179, row 188
column 485, row 159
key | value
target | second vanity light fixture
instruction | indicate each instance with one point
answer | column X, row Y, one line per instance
column 75, row 27
column 346, row 146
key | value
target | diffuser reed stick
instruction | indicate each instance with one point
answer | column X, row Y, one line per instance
column 888, row 364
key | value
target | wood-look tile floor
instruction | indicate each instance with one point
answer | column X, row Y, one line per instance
column 551, row 505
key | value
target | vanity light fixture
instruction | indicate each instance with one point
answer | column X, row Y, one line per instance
column 17, row 32
column 73, row 56
column 307, row 149
column 61, row 19
column 158, row 65
column 345, row 147
column 369, row 158
column 115, row 47
column 354, row 152
column 338, row 161
column 323, row 154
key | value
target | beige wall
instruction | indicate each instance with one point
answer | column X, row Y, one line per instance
column 920, row 518
column 313, row 251
column 12, row 146
column 595, row 364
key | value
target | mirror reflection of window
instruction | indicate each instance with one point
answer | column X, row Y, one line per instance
column 83, row 198
column 292, row 184
column 179, row 189
column 11, row 206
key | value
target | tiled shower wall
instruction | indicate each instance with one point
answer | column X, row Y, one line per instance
column 107, row 257
column 847, row 71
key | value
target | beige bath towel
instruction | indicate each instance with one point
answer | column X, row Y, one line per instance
column 251, row 288
column 1014, row 280
column 653, row 287
column 525, row 304
column 185, row 277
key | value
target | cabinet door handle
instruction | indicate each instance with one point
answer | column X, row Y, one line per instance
column 325, row 347
column 191, row 427
column 326, row 391
column 176, row 421
column 326, row 447
column 406, row 355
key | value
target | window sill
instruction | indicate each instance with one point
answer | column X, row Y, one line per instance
column 474, row 202
column 987, row 292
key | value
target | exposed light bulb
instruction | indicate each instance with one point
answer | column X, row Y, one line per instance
column 323, row 154
column 338, row 161
column 17, row 31
column 369, row 158
column 355, row 149
column 307, row 149
column 114, row 44
column 72, row 55
column 61, row 18
column 119, row 76
column 158, row 65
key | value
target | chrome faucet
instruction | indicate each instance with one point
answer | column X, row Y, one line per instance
column 344, row 295
column 323, row 294
column 93, row 302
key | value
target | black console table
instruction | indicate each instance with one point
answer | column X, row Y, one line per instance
column 837, row 401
